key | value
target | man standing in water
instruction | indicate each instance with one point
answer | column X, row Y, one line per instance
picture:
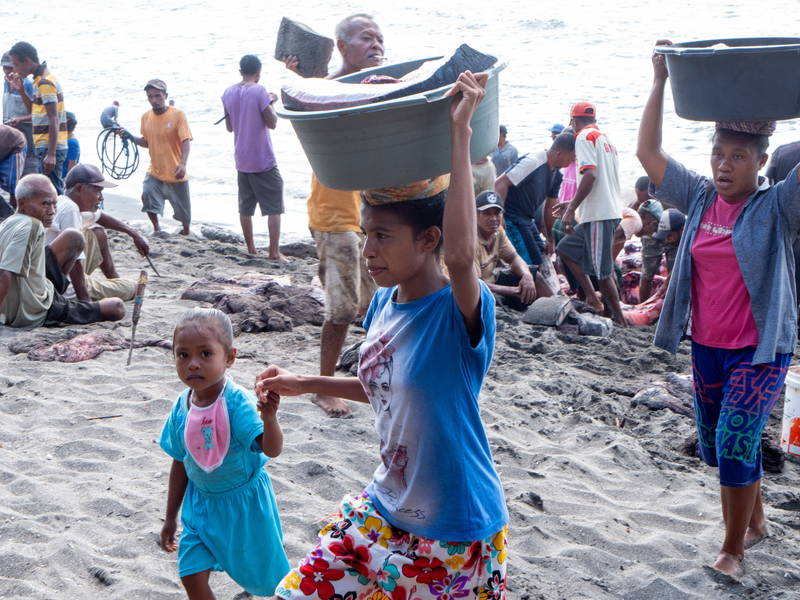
column 166, row 134
column 587, row 248
column 334, row 218
column 249, row 115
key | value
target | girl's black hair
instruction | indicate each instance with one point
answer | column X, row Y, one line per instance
column 759, row 142
column 418, row 214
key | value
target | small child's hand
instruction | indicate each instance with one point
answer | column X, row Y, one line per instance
column 268, row 403
column 168, row 543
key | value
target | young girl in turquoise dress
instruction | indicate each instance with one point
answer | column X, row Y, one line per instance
column 432, row 522
column 218, row 437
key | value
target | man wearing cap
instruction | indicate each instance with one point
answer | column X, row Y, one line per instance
column 33, row 275
column 48, row 116
column 494, row 250
column 653, row 250
column 505, row 154
column 588, row 246
column 668, row 234
column 166, row 134
column 79, row 209
column 334, row 218
column 556, row 130
column 17, row 112
column 528, row 188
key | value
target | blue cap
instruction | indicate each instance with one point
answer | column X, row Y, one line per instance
column 557, row 128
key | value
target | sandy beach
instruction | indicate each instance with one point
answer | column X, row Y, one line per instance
column 604, row 501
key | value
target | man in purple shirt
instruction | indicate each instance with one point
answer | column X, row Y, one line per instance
column 249, row 115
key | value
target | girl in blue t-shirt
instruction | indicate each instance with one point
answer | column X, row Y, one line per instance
column 432, row 522
column 218, row 442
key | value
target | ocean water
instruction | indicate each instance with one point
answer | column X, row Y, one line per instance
column 557, row 52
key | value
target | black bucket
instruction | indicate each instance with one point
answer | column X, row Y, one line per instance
column 747, row 79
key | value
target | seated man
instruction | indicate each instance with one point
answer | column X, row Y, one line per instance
column 670, row 230
column 652, row 250
column 12, row 160
column 516, row 288
column 79, row 209
column 28, row 298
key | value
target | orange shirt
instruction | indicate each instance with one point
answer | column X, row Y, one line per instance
column 164, row 134
column 333, row 210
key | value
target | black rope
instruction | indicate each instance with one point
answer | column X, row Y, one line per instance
column 118, row 153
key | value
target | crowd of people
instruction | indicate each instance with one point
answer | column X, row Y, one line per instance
column 511, row 226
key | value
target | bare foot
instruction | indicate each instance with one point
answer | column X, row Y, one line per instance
column 333, row 407
column 279, row 257
column 754, row 535
column 729, row 564
column 252, row 250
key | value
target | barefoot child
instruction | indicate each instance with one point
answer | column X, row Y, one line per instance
column 218, row 442
column 432, row 522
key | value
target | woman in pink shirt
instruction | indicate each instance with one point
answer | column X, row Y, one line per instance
column 733, row 273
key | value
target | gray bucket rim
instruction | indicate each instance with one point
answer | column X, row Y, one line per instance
column 428, row 97
column 703, row 47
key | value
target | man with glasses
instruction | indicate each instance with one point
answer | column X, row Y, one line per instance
column 79, row 209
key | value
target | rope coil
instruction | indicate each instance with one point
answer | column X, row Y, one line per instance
column 118, row 154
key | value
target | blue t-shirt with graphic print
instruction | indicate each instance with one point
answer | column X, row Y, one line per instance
column 422, row 376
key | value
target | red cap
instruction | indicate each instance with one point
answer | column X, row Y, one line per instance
column 583, row 109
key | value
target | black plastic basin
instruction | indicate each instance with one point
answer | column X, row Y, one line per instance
column 750, row 79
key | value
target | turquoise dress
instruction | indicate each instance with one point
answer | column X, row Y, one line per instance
column 229, row 516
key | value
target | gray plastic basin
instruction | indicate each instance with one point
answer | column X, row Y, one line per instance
column 755, row 79
column 393, row 142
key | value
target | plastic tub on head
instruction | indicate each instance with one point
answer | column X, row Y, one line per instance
column 738, row 79
column 393, row 142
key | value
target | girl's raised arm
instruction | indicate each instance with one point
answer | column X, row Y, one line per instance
column 460, row 223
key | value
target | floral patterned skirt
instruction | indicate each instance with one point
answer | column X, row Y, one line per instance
column 361, row 557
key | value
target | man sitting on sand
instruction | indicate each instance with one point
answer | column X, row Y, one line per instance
column 493, row 250
column 79, row 209
column 27, row 296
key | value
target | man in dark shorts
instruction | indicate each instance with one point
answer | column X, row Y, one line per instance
column 249, row 115
column 33, row 276
column 166, row 134
column 587, row 248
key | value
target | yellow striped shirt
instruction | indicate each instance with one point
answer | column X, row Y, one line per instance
column 46, row 90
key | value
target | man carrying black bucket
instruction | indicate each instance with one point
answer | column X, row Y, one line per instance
column 334, row 218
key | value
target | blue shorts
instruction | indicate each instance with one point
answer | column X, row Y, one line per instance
column 524, row 236
column 56, row 178
column 732, row 401
column 11, row 170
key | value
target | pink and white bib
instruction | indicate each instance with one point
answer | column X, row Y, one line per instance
column 207, row 433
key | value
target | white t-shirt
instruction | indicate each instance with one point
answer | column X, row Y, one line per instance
column 593, row 150
column 22, row 253
column 68, row 215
